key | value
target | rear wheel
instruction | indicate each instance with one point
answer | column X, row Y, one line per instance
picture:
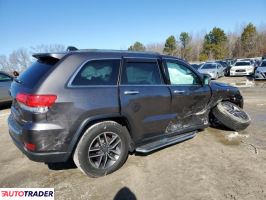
column 102, row 149
column 231, row 116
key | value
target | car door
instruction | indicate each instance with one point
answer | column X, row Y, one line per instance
column 5, row 82
column 145, row 98
column 220, row 69
column 189, row 96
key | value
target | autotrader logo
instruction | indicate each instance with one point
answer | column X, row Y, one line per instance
column 27, row 193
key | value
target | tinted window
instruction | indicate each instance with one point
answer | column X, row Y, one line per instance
column 34, row 73
column 141, row 73
column 100, row 72
column 209, row 66
column 242, row 63
column 4, row 78
column 263, row 64
column 181, row 75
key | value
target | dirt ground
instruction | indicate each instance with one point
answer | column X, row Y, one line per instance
column 216, row 164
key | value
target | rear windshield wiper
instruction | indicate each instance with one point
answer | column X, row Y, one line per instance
column 17, row 80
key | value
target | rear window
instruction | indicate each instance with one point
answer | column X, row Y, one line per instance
column 31, row 76
column 98, row 72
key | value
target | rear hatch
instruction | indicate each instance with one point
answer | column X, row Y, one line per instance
column 27, row 84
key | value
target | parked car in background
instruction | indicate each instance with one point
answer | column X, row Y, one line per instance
column 5, row 82
column 215, row 70
column 195, row 66
column 260, row 72
column 226, row 67
column 242, row 68
column 229, row 61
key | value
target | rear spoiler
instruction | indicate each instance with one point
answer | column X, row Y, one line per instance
column 51, row 58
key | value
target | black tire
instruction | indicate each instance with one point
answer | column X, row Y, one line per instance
column 231, row 116
column 87, row 156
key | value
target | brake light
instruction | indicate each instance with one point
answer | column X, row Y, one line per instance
column 30, row 146
column 35, row 103
column 33, row 100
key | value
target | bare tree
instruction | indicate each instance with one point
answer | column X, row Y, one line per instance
column 4, row 64
column 156, row 47
column 19, row 59
column 48, row 48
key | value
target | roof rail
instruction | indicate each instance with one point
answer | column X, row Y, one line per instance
column 71, row 48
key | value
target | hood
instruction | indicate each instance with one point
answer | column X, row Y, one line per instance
column 223, row 86
column 207, row 71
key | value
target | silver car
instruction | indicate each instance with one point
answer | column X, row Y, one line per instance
column 5, row 82
column 260, row 72
column 215, row 70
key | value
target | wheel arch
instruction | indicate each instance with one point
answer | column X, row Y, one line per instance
column 89, row 121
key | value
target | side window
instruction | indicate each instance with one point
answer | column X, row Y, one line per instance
column 98, row 72
column 141, row 73
column 181, row 75
column 4, row 78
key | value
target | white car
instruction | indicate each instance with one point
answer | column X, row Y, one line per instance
column 215, row 70
column 260, row 72
column 242, row 68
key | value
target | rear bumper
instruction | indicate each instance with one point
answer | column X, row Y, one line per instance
column 21, row 135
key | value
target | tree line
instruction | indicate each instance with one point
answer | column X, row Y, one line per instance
column 215, row 45
column 21, row 58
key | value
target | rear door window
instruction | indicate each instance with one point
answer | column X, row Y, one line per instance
column 97, row 72
column 141, row 73
column 31, row 76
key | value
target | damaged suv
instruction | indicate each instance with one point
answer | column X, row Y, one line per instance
column 96, row 106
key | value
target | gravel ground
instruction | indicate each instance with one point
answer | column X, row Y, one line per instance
column 216, row 164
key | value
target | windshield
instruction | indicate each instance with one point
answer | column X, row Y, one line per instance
column 209, row 66
column 242, row 63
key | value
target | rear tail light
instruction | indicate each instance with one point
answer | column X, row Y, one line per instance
column 35, row 102
column 30, row 146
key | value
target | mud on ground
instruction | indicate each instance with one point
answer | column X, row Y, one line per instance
column 216, row 164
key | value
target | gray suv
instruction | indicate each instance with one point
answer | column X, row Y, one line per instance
column 96, row 106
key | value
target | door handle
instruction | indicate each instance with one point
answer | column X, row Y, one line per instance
column 131, row 92
column 179, row 91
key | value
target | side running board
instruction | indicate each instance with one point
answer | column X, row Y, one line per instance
column 165, row 142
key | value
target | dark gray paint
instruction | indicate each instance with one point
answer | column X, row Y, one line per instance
column 153, row 113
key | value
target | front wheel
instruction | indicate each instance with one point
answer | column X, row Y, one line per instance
column 231, row 116
column 102, row 149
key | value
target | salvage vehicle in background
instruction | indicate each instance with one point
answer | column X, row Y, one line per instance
column 242, row 68
column 260, row 72
column 5, row 82
column 106, row 104
column 213, row 69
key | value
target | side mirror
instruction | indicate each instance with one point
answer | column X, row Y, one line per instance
column 15, row 73
column 206, row 79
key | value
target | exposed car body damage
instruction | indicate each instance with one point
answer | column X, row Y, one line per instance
column 151, row 110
